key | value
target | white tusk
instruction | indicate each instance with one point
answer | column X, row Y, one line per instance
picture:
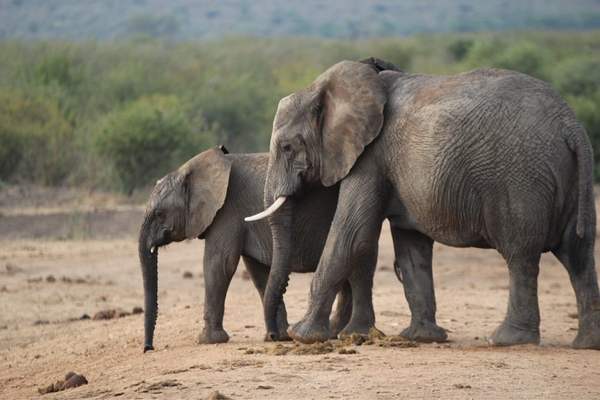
column 272, row 208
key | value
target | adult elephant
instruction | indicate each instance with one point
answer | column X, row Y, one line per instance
column 488, row 158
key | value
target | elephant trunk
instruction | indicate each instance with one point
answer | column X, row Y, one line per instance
column 281, row 229
column 149, row 262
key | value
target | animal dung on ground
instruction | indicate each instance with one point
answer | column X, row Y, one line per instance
column 377, row 338
column 157, row 387
column 374, row 338
column 299, row 349
column 72, row 380
column 114, row 313
column 110, row 314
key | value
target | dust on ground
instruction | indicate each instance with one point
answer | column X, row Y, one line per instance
column 44, row 334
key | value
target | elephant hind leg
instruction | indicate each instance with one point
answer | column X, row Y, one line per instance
column 518, row 223
column 522, row 322
column 343, row 310
column 413, row 252
column 362, row 319
column 577, row 256
column 259, row 273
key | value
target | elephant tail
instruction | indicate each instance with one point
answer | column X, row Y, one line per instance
column 581, row 146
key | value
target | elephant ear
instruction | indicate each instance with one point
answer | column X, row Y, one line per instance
column 206, row 181
column 351, row 103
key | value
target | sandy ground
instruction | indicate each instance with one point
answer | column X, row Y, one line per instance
column 39, row 342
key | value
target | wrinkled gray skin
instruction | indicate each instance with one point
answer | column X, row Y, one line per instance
column 488, row 158
column 169, row 218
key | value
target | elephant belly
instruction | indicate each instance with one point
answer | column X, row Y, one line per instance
column 453, row 226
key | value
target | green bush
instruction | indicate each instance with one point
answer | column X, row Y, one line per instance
column 36, row 141
column 147, row 138
column 459, row 48
column 525, row 57
column 76, row 112
column 578, row 76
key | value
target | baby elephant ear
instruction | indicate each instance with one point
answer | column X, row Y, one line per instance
column 206, row 182
column 352, row 98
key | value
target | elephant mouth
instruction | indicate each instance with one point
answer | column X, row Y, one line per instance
column 162, row 239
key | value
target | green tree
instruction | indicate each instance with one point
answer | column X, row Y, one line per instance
column 578, row 76
column 36, row 141
column 526, row 57
column 147, row 138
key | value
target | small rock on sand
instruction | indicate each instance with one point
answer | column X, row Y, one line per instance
column 217, row 396
column 72, row 380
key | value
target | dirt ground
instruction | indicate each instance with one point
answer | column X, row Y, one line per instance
column 49, row 279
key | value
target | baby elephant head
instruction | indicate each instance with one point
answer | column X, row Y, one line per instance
column 181, row 206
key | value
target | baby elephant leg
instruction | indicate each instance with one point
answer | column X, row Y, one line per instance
column 218, row 271
column 413, row 264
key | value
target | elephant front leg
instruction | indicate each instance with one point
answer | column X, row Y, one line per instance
column 218, row 271
column 351, row 244
column 413, row 252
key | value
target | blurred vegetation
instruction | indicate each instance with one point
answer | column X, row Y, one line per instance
column 351, row 19
column 118, row 115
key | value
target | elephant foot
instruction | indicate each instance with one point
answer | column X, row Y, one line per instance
column 335, row 326
column 335, row 329
column 588, row 336
column 510, row 335
column 308, row 332
column 425, row 332
column 356, row 329
column 209, row 336
column 281, row 336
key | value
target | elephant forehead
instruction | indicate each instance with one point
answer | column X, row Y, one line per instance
column 285, row 102
column 286, row 110
column 162, row 189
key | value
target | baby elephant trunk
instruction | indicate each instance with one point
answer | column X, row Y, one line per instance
column 149, row 262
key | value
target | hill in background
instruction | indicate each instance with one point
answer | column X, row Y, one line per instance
column 189, row 19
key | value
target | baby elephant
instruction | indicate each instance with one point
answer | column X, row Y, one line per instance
column 207, row 198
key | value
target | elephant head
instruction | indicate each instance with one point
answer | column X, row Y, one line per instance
column 181, row 206
column 318, row 134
